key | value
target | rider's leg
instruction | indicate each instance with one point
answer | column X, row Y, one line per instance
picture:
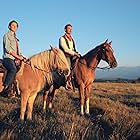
column 10, row 65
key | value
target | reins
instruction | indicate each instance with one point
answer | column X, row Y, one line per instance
column 93, row 68
column 104, row 68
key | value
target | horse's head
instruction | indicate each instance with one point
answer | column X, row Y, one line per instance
column 107, row 54
column 60, row 61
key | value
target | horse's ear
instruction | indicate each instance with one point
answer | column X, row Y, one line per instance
column 110, row 42
column 104, row 44
column 106, row 41
column 51, row 47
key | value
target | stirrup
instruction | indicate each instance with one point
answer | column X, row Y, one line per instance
column 68, row 85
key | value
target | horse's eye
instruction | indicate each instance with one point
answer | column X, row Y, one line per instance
column 104, row 50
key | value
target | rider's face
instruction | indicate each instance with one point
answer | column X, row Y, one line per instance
column 13, row 27
column 68, row 30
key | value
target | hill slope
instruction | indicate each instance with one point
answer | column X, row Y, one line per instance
column 119, row 72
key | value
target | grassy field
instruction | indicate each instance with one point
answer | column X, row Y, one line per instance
column 114, row 109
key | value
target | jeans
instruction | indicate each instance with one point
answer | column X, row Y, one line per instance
column 10, row 65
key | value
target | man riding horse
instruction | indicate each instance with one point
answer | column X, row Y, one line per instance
column 67, row 45
column 11, row 53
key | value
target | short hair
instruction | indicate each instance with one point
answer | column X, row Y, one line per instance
column 12, row 22
column 67, row 26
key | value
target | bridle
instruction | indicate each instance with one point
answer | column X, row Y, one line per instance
column 93, row 68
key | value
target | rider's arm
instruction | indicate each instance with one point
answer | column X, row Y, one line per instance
column 20, row 57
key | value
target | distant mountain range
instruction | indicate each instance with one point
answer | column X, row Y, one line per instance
column 119, row 72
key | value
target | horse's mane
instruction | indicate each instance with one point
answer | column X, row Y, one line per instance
column 46, row 60
column 92, row 53
column 41, row 60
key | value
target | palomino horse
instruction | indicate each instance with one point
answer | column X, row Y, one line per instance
column 84, row 73
column 35, row 75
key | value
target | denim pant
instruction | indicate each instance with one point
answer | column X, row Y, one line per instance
column 10, row 65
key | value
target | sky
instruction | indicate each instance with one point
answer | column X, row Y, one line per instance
column 41, row 23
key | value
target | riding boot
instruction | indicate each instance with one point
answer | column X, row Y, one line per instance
column 4, row 91
column 10, row 92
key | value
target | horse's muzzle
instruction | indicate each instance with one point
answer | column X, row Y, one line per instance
column 113, row 64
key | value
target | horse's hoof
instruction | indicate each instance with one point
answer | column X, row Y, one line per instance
column 50, row 111
column 44, row 111
column 81, row 114
column 87, row 115
column 29, row 122
column 20, row 121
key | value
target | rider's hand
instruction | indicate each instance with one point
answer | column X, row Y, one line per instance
column 77, row 54
column 21, row 57
column 26, row 60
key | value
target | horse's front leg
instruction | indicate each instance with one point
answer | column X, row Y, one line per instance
column 87, row 93
column 30, row 106
column 82, row 98
column 24, row 99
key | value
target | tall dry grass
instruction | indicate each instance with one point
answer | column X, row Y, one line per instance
column 114, row 109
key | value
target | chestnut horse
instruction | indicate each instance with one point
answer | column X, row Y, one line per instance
column 84, row 74
column 36, row 74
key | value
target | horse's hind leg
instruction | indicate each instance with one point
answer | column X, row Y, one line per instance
column 51, row 97
column 47, row 98
column 30, row 106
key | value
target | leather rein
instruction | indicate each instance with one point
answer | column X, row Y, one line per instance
column 93, row 68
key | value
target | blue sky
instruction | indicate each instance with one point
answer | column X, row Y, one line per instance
column 41, row 23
